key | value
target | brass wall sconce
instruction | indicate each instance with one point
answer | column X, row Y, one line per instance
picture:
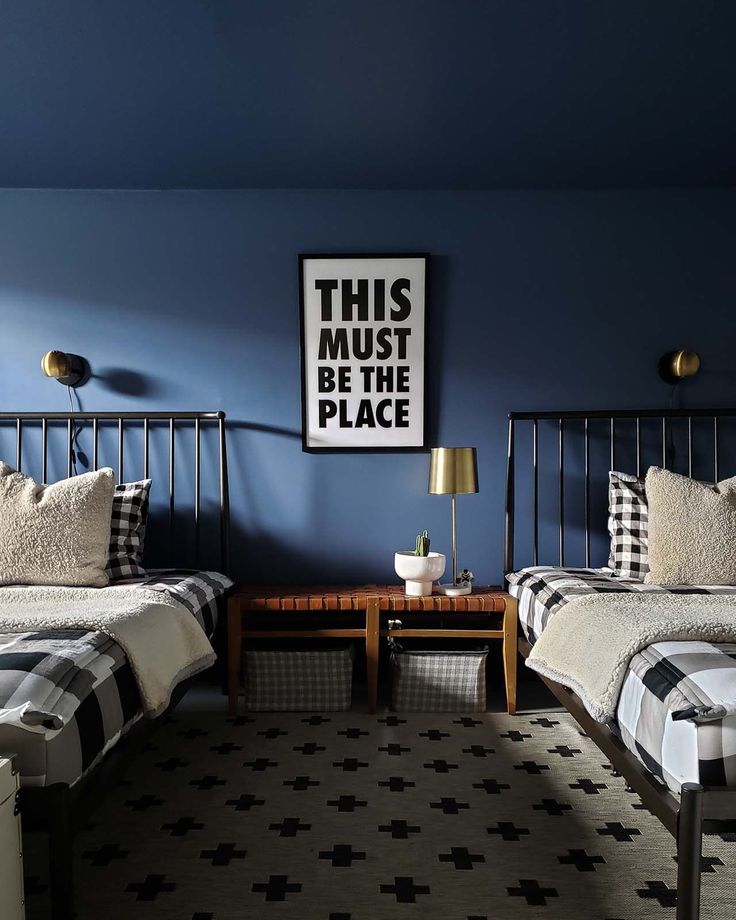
column 675, row 366
column 70, row 370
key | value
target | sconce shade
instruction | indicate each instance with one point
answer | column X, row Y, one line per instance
column 70, row 370
column 675, row 366
column 453, row 471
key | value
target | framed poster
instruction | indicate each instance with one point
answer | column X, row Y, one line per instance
column 363, row 325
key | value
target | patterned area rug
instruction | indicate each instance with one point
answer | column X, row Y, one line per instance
column 346, row 816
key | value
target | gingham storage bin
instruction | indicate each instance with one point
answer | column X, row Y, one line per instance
column 438, row 681
column 298, row 679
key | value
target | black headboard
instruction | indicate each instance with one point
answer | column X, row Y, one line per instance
column 179, row 437
column 682, row 438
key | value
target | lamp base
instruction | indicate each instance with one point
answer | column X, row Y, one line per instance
column 455, row 590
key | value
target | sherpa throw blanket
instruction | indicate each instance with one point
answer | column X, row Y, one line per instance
column 162, row 640
column 588, row 643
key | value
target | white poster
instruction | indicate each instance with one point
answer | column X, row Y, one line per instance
column 363, row 328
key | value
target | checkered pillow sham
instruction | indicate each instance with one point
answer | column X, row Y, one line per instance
column 628, row 525
column 128, row 529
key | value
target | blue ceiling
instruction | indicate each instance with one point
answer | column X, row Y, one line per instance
column 367, row 93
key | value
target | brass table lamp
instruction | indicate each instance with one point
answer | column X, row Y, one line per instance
column 453, row 471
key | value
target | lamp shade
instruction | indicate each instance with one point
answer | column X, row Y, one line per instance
column 452, row 470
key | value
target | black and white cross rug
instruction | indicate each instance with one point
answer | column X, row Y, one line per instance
column 348, row 816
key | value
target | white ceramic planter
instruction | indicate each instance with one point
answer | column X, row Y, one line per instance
column 419, row 571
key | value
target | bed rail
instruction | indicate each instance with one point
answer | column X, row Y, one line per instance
column 622, row 424
column 170, row 425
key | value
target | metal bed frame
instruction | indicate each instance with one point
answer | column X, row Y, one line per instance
column 699, row 809
column 58, row 807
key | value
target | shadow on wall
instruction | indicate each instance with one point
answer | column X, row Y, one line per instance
column 126, row 382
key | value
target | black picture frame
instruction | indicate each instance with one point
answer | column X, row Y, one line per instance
column 421, row 443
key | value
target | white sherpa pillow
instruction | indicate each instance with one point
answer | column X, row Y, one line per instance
column 692, row 530
column 57, row 534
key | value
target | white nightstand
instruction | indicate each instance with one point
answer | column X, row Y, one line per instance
column 11, row 845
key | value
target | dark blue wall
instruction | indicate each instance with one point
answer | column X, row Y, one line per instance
column 538, row 300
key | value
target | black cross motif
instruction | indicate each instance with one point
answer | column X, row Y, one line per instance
column 353, row 733
column 620, row 833
column 145, row 802
column 191, row 733
column 207, row 782
column 552, row 807
column 347, row 803
column 277, row 887
column 588, row 786
column 245, row 802
column 173, row 763
column 151, row 888
column 707, row 863
column 658, row 891
column 564, row 751
column 467, row 722
column 202, row 915
column 515, row 736
column 507, row 830
column 341, row 855
column 289, row 827
column 227, row 747
column 272, row 733
column 315, row 720
column 392, row 721
column 477, row 750
column 449, row 806
column 461, row 858
column 531, row 766
column 434, row 734
column 223, row 854
column 339, row 916
column 581, row 860
column 396, row 783
column 394, row 750
column 301, row 783
column 530, row 889
column 260, row 764
column 543, row 722
column 105, row 854
column 182, row 826
column 440, row 766
column 404, row 889
column 309, row 748
column 491, row 786
column 349, row 764
column 399, row 829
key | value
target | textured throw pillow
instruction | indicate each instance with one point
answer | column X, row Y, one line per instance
column 128, row 529
column 692, row 530
column 628, row 522
column 56, row 534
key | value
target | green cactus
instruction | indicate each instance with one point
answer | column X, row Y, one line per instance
column 422, row 544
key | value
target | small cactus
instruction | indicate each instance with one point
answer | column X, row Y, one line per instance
column 422, row 544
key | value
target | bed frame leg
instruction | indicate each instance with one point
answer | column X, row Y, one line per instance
column 689, row 851
column 61, row 853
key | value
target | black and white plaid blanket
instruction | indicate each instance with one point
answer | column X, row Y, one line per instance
column 666, row 684
column 67, row 695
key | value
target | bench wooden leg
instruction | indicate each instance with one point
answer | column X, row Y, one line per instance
column 372, row 625
column 234, row 652
column 510, row 653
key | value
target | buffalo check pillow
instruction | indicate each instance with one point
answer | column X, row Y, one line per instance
column 128, row 529
column 628, row 525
